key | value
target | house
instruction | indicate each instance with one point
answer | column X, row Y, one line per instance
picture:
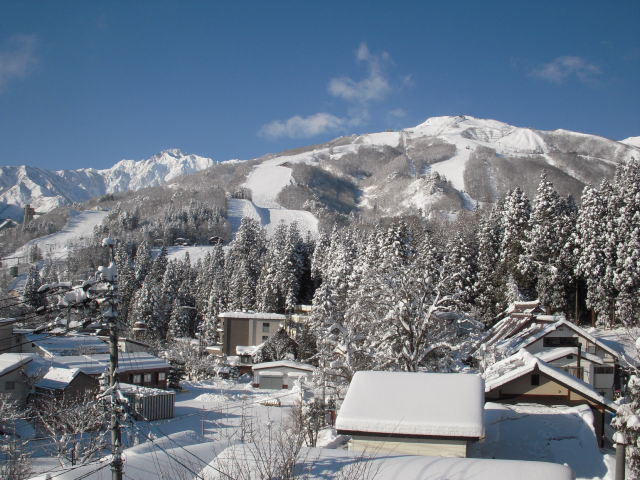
column 68, row 384
column 138, row 368
column 280, row 374
column 591, row 360
column 524, row 377
column 12, row 375
column 412, row 413
column 248, row 328
column 9, row 341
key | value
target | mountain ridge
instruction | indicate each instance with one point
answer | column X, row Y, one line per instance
column 47, row 189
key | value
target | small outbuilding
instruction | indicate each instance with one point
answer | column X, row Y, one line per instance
column 68, row 384
column 436, row 414
column 281, row 374
column 149, row 403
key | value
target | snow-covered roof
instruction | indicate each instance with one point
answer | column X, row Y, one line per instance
column 71, row 344
column 58, row 378
column 439, row 404
column 247, row 349
column 284, row 363
column 556, row 353
column 324, row 463
column 141, row 391
column 127, row 361
column 580, row 331
column 523, row 363
column 11, row 361
column 254, row 315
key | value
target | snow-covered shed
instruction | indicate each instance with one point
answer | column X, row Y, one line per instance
column 248, row 328
column 149, row 403
column 413, row 413
column 248, row 461
column 280, row 374
column 67, row 384
column 524, row 377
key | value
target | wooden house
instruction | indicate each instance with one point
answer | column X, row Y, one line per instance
column 138, row 368
column 436, row 414
column 524, row 377
column 66, row 384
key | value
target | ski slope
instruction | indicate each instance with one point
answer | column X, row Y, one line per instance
column 77, row 232
column 270, row 218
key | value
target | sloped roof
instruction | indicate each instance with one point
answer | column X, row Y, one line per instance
column 11, row 361
column 284, row 363
column 523, row 363
column 127, row 361
column 414, row 403
column 580, row 331
column 71, row 344
column 256, row 315
column 58, row 378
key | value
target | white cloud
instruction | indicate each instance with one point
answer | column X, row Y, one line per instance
column 398, row 113
column 375, row 86
column 358, row 94
column 302, row 127
column 560, row 69
column 17, row 58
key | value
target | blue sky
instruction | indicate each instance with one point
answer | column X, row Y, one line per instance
column 87, row 83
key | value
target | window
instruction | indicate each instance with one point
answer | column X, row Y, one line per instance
column 147, row 378
column 608, row 370
column 9, row 385
column 265, row 338
column 535, row 379
column 265, row 327
column 569, row 357
column 161, row 376
column 560, row 341
column 137, row 378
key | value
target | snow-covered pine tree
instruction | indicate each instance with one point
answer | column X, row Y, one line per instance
column 30, row 293
column 127, row 283
column 490, row 298
column 514, row 225
column 546, row 238
column 280, row 346
column 589, row 242
column 269, row 289
column 627, row 270
column 460, row 270
column 244, row 262
column 143, row 262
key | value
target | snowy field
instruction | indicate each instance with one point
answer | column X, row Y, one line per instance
column 212, row 415
column 77, row 231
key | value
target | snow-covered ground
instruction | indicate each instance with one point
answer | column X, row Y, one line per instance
column 77, row 231
column 556, row 434
column 213, row 414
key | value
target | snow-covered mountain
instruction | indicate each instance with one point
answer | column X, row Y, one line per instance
column 47, row 189
column 400, row 171
column 633, row 141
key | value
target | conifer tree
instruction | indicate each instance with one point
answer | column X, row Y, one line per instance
column 30, row 292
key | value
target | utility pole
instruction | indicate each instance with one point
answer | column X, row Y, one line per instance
column 109, row 276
